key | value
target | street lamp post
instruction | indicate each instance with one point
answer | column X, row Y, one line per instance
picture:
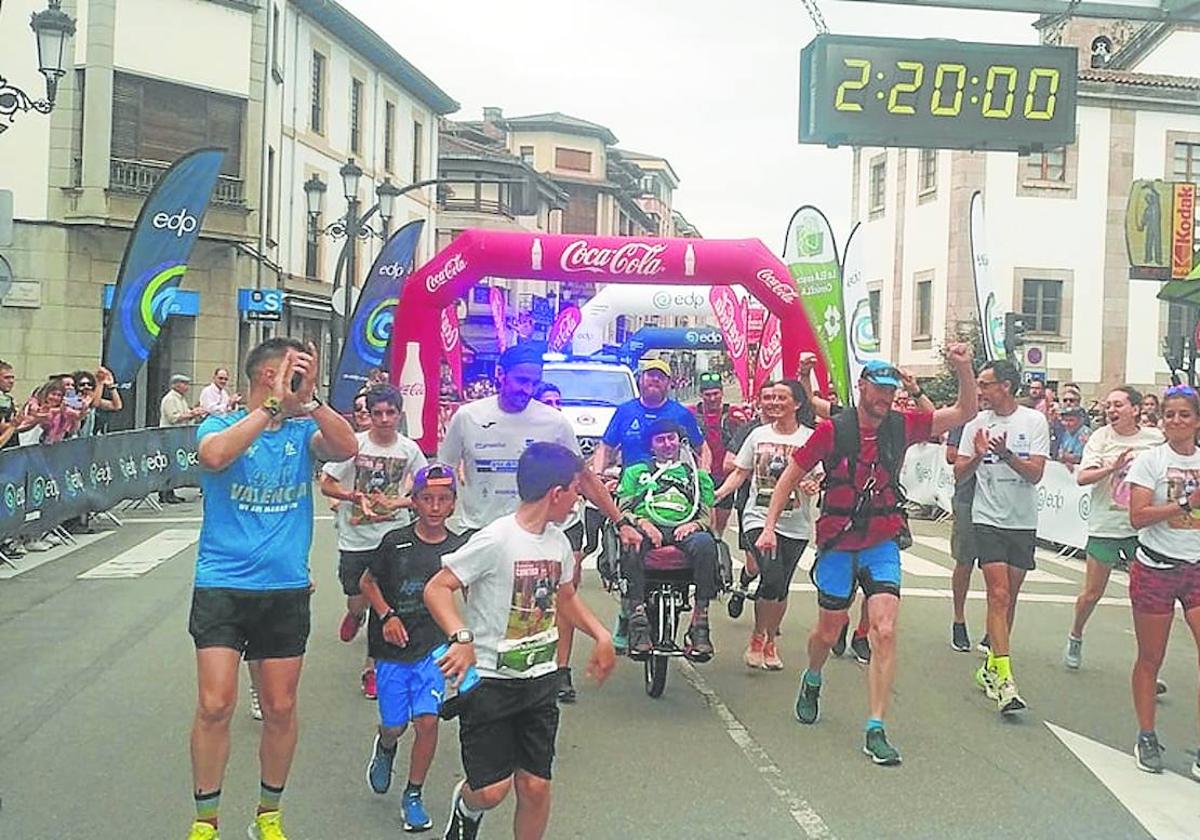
column 52, row 27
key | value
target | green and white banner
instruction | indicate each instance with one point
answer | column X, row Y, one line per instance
column 863, row 341
column 811, row 256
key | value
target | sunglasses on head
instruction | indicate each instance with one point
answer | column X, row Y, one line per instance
column 1180, row 391
column 881, row 373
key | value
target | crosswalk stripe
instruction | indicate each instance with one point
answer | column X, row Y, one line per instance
column 145, row 556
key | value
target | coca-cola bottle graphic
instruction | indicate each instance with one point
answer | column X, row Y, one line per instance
column 412, row 386
column 689, row 261
column 535, row 255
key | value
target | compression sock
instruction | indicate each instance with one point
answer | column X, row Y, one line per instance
column 207, row 805
column 874, row 723
column 812, row 678
column 268, row 797
column 991, row 660
column 1003, row 668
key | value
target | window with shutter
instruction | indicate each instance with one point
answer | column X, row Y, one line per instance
column 127, row 105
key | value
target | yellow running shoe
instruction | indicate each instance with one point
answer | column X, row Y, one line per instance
column 203, row 831
column 267, row 826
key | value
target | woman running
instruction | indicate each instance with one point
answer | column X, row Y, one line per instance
column 763, row 457
column 1163, row 506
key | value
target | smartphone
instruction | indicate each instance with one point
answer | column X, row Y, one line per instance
column 72, row 399
column 297, row 381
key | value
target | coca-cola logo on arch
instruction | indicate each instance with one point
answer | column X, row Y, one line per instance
column 637, row 259
column 784, row 291
column 727, row 316
column 453, row 267
column 412, row 389
column 449, row 332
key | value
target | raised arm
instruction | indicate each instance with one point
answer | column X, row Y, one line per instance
column 965, row 408
column 822, row 407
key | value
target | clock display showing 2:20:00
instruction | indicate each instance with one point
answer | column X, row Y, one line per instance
column 998, row 92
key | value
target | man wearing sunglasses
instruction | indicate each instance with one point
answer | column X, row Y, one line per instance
column 860, row 523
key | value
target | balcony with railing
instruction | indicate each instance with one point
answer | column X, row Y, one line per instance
column 138, row 177
column 477, row 204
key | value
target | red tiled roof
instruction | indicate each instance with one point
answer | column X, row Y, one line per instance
column 1130, row 77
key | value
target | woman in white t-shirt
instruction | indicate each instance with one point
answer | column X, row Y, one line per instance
column 1164, row 506
column 1107, row 456
column 762, row 458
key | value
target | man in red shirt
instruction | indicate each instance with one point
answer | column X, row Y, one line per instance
column 859, row 524
column 719, row 424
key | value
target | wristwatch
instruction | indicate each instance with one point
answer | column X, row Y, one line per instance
column 313, row 404
column 627, row 520
column 272, row 407
column 387, row 615
column 1184, row 503
column 461, row 637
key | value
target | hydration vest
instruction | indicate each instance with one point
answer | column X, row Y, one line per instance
column 840, row 494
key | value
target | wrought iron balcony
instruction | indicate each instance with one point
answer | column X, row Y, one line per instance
column 138, row 177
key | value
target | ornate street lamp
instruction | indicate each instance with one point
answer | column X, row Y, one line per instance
column 387, row 193
column 52, row 28
column 314, row 196
column 351, row 172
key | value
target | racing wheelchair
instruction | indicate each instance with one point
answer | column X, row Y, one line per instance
column 668, row 596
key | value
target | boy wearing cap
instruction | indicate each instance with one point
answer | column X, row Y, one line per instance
column 401, row 636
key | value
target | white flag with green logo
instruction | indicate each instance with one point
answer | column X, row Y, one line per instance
column 811, row 255
column 991, row 319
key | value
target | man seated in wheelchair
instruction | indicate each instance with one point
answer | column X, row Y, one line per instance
column 669, row 500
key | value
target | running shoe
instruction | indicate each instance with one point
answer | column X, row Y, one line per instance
column 959, row 640
column 1160, row 688
column 1008, row 701
column 348, row 629
column 379, row 768
column 203, row 831
column 255, row 706
column 839, row 647
column 862, row 649
column 879, row 749
column 1148, row 753
column 460, row 827
column 985, row 645
column 753, row 657
column 369, row 687
column 986, row 679
column 566, row 691
column 267, row 826
column 620, row 635
column 416, row 818
column 736, row 603
column 808, row 708
column 771, row 660
column 698, row 645
column 1073, row 653
column 640, row 643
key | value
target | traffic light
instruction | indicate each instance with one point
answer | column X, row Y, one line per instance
column 1014, row 332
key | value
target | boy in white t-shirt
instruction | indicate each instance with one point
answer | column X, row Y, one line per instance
column 372, row 491
column 516, row 574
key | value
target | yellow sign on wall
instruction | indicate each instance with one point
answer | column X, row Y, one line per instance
column 1148, row 229
column 1183, row 227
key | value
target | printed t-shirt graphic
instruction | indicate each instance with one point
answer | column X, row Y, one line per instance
column 1170, row 476
column 385, row 469
column 1003, row 499
column 1109, row 512
column 258, row 515
column 766, row 453
column 531, row 636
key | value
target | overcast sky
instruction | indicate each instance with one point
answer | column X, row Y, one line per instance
column 712, row 85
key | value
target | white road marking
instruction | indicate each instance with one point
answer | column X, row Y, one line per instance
column 33, row 559
column 1166, row 805
column 145, row 556
column 810, row 821
column 975, row 595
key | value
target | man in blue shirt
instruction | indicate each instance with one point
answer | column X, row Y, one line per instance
column 251, row 597
column 626, row 431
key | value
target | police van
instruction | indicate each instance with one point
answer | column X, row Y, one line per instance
column 591, row 388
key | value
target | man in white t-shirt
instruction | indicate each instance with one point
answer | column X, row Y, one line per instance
column 486, row 438
column 1006, row 446
column 372, row 491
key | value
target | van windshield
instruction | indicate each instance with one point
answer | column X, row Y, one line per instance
column 595, row 386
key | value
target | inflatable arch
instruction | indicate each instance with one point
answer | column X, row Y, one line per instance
column 669, row 338
column 614, row 300
column 478, row 253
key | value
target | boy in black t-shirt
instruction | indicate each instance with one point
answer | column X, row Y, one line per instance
column 401, row 636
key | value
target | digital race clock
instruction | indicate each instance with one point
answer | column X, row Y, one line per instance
column 862, row 91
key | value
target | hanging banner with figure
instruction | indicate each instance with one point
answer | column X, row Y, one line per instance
column 770, row 354
column 811, row 255
column 374, row 314
column 452, row 345
column 862, row 339
column 991, row 319
column 156, row 259
column 499, row 305
column 731, row 318
column 564, row 326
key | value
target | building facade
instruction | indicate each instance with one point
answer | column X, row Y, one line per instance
column 127, row 109
column 1054, row 220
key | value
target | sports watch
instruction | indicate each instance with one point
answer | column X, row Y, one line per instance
column 461, row 637
column 313, row 404
column 272, row 407
column 1184, row 503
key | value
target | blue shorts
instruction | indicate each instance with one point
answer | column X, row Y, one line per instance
column 408, row 690
column 837, row 573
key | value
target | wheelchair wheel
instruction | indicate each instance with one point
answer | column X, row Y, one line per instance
column 656, row 675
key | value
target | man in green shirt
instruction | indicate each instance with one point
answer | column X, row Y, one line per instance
column 669, row 501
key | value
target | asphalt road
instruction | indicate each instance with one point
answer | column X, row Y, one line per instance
column 97, row 688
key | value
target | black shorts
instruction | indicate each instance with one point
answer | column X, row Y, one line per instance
column 270, row 624
column 1005, row 545
column 575, row 536
column 508, row 725
column 962, row 536
column 775, row 574
column 351, row 565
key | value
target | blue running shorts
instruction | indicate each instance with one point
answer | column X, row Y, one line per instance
column 408, row 690
column 837, row 573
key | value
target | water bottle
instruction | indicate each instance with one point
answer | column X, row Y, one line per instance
column 451, row 705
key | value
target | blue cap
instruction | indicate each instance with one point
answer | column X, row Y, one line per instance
column 527, row 353
column 881, row 373
column 435, row 475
